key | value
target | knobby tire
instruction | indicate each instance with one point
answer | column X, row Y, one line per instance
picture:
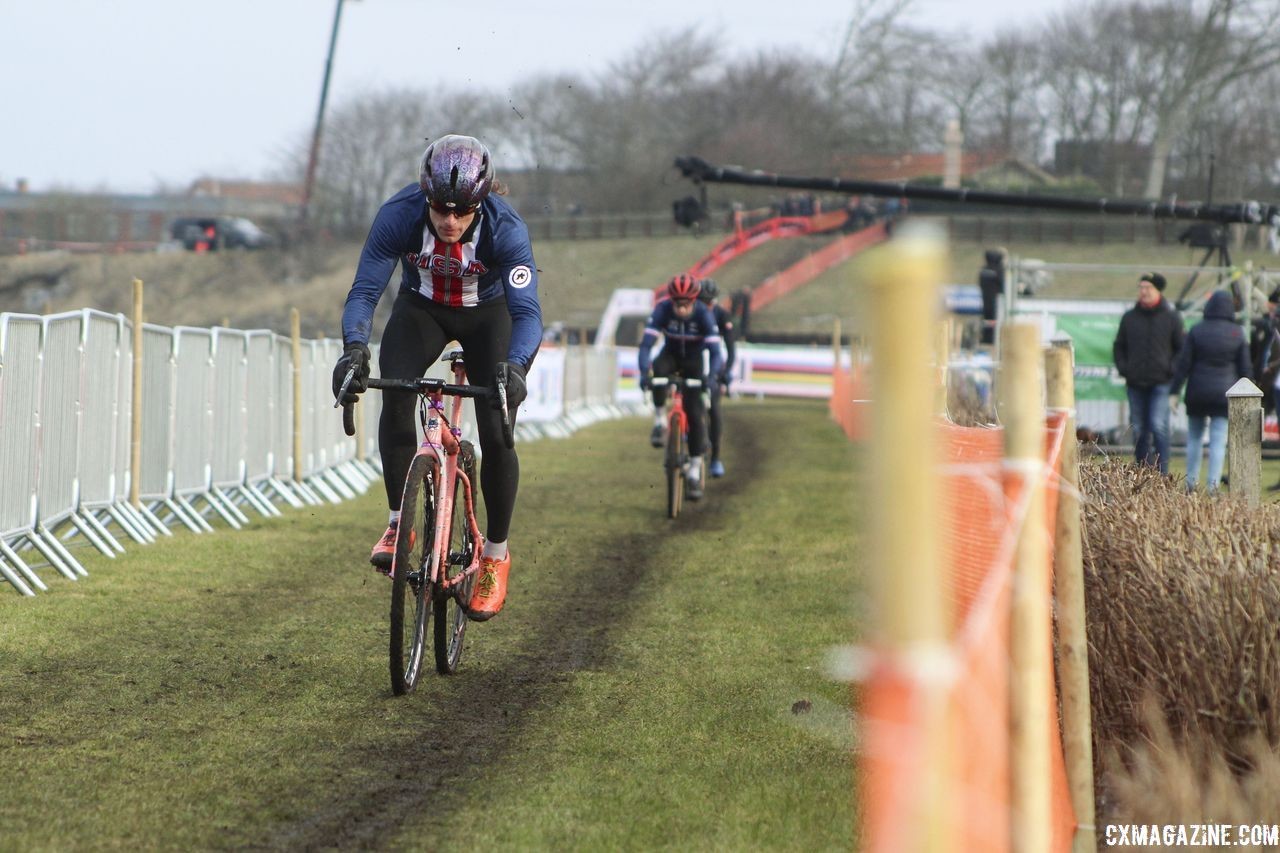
column 411, row 591
column 675, row 468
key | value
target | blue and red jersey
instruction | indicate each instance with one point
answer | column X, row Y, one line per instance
column 493, row 260
column 683, row 338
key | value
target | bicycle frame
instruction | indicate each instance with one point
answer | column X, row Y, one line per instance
column 677, row 417
column 440, row 443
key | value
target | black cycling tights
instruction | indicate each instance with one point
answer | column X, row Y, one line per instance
column 668, row 364
column 416, row 334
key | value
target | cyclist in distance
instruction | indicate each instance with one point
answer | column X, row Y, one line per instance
column 467, row 274
column 720, row 386
column 688, row 328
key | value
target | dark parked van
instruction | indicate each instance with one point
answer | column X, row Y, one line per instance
column 219, row 232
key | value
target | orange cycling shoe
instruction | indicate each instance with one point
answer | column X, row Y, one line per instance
column 384, row 553
column 491, row 588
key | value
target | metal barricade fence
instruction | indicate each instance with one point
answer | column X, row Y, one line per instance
column 59, row 417
column 230, row 407
column 155, row 482
column 283, row 463
column 263, row 406
column 217, row 425
column 193, row 410
column 19, row 431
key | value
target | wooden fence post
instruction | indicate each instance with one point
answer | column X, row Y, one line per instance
column 942, row 358
column 910, row 596
column 1030, row 676
column 1244, row 441
column 1068, row 578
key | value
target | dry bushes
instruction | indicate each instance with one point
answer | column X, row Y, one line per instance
column 1183, row 599
column 1169, row 780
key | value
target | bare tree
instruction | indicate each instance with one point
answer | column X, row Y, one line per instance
column 372, row 143
column 1199, row 48
column 960, row 79
column 1012, row 112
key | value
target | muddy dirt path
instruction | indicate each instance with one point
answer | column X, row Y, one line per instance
column 425, row 775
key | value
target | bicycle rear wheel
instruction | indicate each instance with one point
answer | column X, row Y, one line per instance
column 410, row 576
column 674, row 464
column 451, row 620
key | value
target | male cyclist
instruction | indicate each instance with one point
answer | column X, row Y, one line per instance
column 688, row 328
column 720, row 384
column 467, row 275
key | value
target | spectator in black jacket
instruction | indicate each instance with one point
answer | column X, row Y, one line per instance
column 1149, row 339
column 1213, row 358
column 991, row 283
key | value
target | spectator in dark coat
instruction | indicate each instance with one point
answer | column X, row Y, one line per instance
column 1213, row 358
column 1144, row 350
column 991, row 283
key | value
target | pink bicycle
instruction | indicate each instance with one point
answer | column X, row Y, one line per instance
column 438, row 543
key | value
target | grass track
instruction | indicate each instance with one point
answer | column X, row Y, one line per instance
column 231, row 691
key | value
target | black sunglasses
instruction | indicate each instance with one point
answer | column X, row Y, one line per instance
column 460, row 212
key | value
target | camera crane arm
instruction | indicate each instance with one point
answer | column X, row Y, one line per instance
column 700, row 171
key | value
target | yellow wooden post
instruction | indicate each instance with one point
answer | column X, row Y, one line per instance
column 135, row 427
column 1068, row 577
column 910, row 597
column 295, row 332
column 1030, row 678
column 942, row 356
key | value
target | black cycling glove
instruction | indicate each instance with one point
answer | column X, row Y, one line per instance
column 353, row 355
column 516, row 389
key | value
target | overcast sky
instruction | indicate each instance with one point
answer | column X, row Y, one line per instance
column 132, row 94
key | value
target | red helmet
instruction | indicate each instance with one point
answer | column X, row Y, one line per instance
column 683, row 287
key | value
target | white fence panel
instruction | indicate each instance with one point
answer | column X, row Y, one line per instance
column 229, row 414
column 60, row 413
column 282, row 428
column 262, row 404
column 19, row 420
column 101, row 414
column 159, row 375
column 193, row 410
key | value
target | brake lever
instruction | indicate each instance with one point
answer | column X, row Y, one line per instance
column 346, row 383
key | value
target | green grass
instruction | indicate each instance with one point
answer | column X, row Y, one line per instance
column 230, row 690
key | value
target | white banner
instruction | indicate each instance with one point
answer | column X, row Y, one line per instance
column 546, row 387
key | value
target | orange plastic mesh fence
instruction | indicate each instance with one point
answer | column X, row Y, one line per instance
column 980, row 504
column 848, row 402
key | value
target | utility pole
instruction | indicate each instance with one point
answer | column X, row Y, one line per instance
column 309, row 184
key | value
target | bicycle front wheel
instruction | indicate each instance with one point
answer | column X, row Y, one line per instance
column 451, row 620
column 674, row 464
column 411, row 577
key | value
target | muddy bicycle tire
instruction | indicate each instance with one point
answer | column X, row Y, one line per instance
column 674, row 463
column 411, row 591
column 450, row 619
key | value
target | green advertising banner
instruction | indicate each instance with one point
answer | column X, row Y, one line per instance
column 1093, row 335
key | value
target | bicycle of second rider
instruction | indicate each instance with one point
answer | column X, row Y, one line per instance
column 676, row 459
